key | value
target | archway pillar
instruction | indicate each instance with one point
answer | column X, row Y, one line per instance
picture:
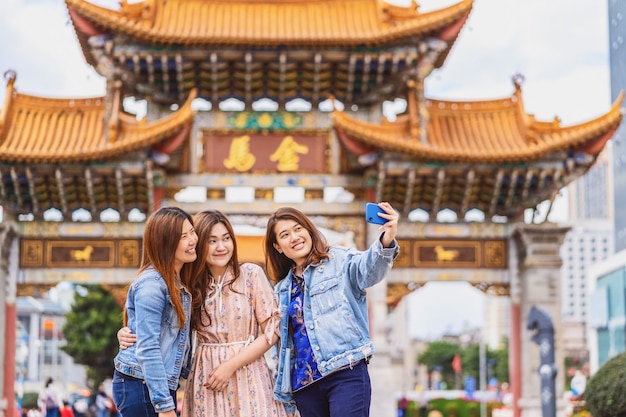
column 8, row 279
column 536, row 281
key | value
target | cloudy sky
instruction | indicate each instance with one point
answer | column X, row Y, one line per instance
column 560, row 47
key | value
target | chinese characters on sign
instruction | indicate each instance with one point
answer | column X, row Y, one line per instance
column 273, row 152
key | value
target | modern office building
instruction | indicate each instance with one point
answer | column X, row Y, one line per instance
column 589, row 242
column 617, row 55
column 590, row 198
column 39, row 343
column 607, row 310
column 497, row 319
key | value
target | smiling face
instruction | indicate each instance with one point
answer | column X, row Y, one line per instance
column 220, row 249
column 293, row 240
column 186, row 249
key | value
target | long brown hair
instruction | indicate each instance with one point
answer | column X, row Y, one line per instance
column 161, row 236
column 277, row 264
column 200, row 277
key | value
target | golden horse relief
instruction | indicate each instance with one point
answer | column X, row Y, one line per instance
column 83, row 254
column 444, row 255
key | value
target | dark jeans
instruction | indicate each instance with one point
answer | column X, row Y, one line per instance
column 345, row 393
column 132, row 398
column 52, row 412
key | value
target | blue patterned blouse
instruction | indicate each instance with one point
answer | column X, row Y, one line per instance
column 304, row 372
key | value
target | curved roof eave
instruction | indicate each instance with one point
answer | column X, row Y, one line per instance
column 533, row 139
column 175, row 22
column 73, row 130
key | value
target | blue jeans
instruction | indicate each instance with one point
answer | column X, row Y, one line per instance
column 344, row 393
column 52, row 412
column 132, row 398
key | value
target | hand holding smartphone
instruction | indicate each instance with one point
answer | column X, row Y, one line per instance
column 371, row 214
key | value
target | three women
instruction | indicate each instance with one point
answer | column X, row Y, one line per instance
column 324, row 336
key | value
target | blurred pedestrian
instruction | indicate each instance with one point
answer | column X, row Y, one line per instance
column 80, row 407
column 66, row 410
column 49, row 400
column 103, row 403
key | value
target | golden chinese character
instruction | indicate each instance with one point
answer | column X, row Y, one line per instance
column 240, row 157
column 287, row 154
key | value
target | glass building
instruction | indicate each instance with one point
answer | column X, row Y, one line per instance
column 617, row 56
column 607, row 310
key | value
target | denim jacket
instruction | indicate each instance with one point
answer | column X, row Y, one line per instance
column 163, row 350
column 335, row 311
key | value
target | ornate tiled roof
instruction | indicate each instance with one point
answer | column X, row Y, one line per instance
column 492, row 131
column 263, row 23
column 86, row 153
column 50, row 130
column 359, row 51
column 486, row 155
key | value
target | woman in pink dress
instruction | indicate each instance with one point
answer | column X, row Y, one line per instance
column 235, row 323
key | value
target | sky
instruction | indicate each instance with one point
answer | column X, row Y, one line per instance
column 560, row 47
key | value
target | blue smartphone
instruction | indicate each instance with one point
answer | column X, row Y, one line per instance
column 371, row 214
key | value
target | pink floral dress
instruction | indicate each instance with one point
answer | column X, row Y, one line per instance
column 235, row 318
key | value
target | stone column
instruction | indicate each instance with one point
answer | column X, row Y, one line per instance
column 537, row 280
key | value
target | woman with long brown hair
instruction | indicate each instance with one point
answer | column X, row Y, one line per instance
column 157, row 311
column 324, row 343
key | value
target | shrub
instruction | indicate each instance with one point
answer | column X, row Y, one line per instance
column 473, row 409
column 605, row 393
column 29, row 400
column 452, row 409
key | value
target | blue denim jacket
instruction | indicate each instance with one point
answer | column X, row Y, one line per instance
column 335, row 311
column 163, row 350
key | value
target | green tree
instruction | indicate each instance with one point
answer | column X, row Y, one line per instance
column 501, row 368
column 438, row 355
column 470, row 359
column 497, row 360
column 605, row 393
column 91, row 332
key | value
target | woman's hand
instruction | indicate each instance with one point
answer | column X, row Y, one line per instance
column 218, row 381
column 390, row 228
column 126, row 338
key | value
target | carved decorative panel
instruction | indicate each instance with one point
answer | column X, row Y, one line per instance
column 430, row 253
column 80, row 253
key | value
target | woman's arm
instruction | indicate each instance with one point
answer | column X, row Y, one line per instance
column 367, row 268
column 151, row 300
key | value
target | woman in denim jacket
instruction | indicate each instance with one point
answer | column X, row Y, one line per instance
column 157, row 311
column 324, row 345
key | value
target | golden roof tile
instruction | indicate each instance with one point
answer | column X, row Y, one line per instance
column 493, row 131
column 52, row 130
column 267, row 23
